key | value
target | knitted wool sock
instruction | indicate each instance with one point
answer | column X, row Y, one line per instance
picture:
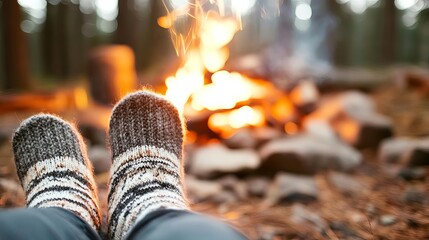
column 52, row 167
column 146, row 136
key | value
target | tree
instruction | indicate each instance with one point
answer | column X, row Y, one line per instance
column 16, row 49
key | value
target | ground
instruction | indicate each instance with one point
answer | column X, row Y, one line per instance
column 389, row 207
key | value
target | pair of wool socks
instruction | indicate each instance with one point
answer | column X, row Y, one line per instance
column 146, row 138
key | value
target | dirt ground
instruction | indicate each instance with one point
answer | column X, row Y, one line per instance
column 343, row 216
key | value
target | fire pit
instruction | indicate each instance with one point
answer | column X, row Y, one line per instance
column 278, row 150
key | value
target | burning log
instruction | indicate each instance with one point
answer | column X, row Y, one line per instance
column 111, row 73
column 52, row 101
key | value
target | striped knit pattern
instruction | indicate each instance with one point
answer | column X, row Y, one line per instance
column 146, row 137
column 52, row 167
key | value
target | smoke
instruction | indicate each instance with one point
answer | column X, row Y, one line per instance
column 305, row 42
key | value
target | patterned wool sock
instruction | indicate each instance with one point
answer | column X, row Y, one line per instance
column 146, row 136
column 52, row 167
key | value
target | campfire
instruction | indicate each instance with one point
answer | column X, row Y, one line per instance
column 201, row 86
column 287, row 153
column 228, row 101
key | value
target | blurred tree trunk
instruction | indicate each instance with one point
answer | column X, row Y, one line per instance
column 138, row 28
column 52, row 41
column 125, row 22
column 159, row 38
column 16, row 49
column 126, row 32
column 423, row 48
column 388, row 29
column 63, row 41
column 72, row 24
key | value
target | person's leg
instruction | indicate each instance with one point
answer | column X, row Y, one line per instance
column 146, row 137
column 55, row 173
column 181, row 225
column 44, row 223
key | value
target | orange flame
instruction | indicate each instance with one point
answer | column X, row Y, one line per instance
column 226, row 90
column 225, row 122
column 203, row 48
column 208, row 52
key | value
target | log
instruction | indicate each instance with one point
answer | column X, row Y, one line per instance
column 111, row 73
column 49, row 101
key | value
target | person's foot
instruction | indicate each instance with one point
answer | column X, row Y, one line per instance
column 53, row 168
column 146, row 137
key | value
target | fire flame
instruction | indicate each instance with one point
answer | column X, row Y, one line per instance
column 209, row 53
column 203, row 48
column 245, row 116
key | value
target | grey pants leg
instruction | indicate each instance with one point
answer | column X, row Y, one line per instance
column 43, row 223
column 181, row 225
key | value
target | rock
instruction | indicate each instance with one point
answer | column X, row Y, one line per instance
column 355, row 102
column 301, row 215
column 413, row 195
column 223, row 197
column 364, row 130
column 387, row 220
column 100, row 158
column 214, row 159
column 352, row 115
column 406, row 151
column 393, row 149
column 419, row 156
column 305, row 96
column 346, row 183
column 251, row 137
column 320, row 129
column 199, row 190
column 416, row 173
column 350, row 103
column 243, row 138
column 307, row 154
column 228, row 189
column 233, row 184
column 257, row 186
column 291, row 188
